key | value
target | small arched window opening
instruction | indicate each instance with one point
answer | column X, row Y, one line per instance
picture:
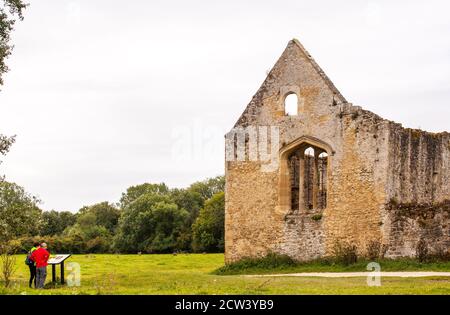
column 309, row 151
column 291, row 105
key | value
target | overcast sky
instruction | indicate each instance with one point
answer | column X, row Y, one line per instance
column 104, row 94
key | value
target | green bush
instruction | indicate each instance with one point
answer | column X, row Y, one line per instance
column 98, row 245
column 270, row 261
column 73, row 244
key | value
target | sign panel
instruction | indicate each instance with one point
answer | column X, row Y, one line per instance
column 57, row 259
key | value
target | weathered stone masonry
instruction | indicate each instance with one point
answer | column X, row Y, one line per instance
column 366, row 178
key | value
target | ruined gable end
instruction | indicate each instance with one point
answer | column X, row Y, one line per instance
column 320, row 174
column 295, row 73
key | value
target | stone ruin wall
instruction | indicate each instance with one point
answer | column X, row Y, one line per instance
column 418, row 204
column 251, row 229
column 357, row 182
column 255, row 223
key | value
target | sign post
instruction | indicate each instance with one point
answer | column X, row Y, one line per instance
column 58, row 260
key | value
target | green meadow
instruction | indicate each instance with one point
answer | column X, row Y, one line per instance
column 201, row 274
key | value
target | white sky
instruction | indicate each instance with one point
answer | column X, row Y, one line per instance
column 99, row 90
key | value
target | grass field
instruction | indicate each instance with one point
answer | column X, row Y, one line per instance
column 193, row 274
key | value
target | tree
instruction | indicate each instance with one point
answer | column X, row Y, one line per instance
column 95, row 226
column 189, row 200
column 102, row 214
column 134, row 192
column 209, row 187
column 55, row 222
column 19, row 212
column 209, row 228
column 192, row 202
column 10, row 10
column 5, row 144
column 151, row 223
column 9, row 206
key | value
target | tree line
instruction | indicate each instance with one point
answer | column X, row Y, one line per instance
column 149, row 218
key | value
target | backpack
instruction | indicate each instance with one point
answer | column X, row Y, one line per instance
column 28, row 260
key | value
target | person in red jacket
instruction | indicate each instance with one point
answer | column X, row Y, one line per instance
column 40, row 256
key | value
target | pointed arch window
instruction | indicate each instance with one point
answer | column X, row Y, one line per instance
column 307, row 178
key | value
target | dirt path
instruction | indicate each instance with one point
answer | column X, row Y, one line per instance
column 401, row 274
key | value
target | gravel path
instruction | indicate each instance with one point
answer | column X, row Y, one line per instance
column 401, row 274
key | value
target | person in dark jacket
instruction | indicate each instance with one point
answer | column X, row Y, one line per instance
column 32, row 265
